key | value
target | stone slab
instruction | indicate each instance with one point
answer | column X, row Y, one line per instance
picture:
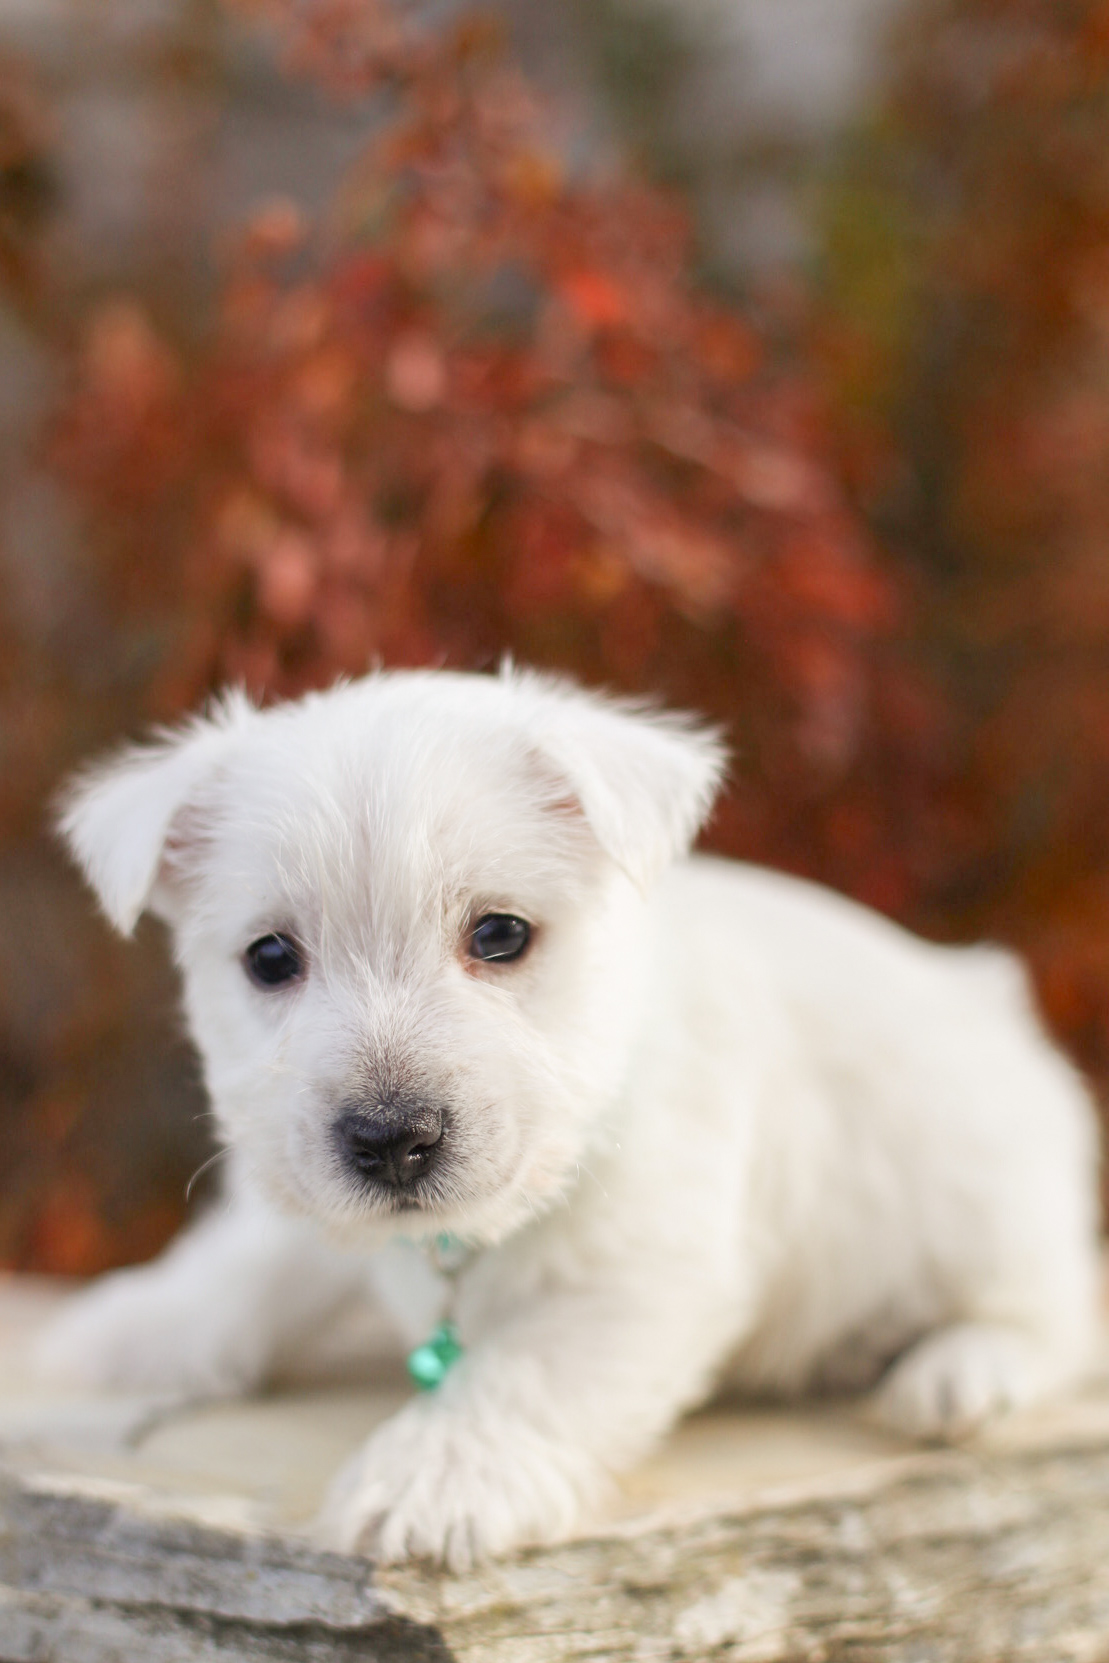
column 152, row 1529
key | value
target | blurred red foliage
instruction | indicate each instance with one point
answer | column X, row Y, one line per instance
column 969, row 338
column 26, row 134
column 484, row 408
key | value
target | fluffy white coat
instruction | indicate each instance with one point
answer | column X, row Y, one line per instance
column 715, row 1125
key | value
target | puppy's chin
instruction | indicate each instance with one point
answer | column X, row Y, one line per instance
column 366, row 1219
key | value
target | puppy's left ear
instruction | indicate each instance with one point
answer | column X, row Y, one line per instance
column 118, row 816
column 644, row 779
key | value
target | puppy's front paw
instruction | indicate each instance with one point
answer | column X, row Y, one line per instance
column 954, row 1380
column 448, row 1484
column 149, row 1330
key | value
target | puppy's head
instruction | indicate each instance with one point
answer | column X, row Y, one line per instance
column 410, row 918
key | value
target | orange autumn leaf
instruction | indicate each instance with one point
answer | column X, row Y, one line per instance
column 594, row 298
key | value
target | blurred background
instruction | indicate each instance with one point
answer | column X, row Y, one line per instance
column 751, row 352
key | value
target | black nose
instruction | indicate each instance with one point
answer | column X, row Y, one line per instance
column 390, row 1143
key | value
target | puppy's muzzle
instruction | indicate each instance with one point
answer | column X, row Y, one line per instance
column 389, row 1144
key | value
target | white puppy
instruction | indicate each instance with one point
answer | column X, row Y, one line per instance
column 691, row 1123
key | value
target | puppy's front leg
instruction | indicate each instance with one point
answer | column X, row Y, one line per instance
column 527, row 1428
column 210, row 1316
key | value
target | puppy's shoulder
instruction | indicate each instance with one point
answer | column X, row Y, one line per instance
column 803, row 935
column 712, row 918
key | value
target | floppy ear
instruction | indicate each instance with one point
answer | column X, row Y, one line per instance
column 116, row 816
column 644, row 779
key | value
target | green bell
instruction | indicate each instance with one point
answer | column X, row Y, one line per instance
column 430, row 1362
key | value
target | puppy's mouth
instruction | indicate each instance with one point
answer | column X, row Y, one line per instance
column 429, row 1196
column 382, row 1199
column 408, row 1204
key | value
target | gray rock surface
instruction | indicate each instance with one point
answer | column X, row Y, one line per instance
column 151, row 1532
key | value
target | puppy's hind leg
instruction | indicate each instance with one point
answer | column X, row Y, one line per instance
column 957, row 1378
column 1012, row 1208
column 1030, row 1336
column 210, row 1316
column 1027, row 1334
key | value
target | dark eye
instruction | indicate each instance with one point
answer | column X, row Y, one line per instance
column 273, row 959
column 499, row 936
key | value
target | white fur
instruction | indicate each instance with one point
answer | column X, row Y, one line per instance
column 716, row 1125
